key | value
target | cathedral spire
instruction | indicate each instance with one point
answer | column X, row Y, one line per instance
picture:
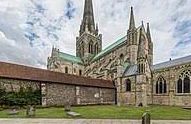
column 132, row 20
column 142, row 26
column 148, row 33
column 141, row 49
column 150, row 45
column 88, row 23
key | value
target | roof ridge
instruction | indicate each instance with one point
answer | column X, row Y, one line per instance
column 111, row 46
column 68, row 54
column 69, row 57
column 116, row 41
column 171, row 63
column 20, row 72
column 173, row 60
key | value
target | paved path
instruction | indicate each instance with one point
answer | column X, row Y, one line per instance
column 85, row 121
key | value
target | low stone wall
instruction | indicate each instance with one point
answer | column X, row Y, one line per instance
column 14, row 85
column 57, row 88
column 59, row 94
column 174, row 100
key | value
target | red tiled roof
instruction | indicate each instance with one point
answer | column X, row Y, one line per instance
column 21, row 72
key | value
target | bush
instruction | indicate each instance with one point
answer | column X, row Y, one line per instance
column 2, row 96
column 22, row 98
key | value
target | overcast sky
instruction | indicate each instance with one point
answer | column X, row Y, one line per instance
column 29, row 28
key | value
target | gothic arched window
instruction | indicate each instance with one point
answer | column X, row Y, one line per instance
column 91, row 47
column 186, row 85
column 161, row 86
column 121, row 58
column 141, row 68
column 128, row 85
column 96, row 48
column 80, row 72
column 66, row 69
column 183, row 83
column 179, row 86
column 81, row 49
column 157, row 87
column 165, row 87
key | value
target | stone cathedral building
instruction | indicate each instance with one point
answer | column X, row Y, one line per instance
column 128, row 62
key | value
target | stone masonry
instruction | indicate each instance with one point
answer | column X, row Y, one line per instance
column 57, row 88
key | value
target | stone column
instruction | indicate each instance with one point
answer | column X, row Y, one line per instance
column 144, row 94
column 44, row 94
column 101, row 96
column 119, row 90
column 141, row 91
column 77, row 95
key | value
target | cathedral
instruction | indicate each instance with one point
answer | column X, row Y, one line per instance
column 128, row 62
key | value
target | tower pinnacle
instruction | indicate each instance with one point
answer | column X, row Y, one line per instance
column 132, row 21
column 88, row 23
column 148, row 33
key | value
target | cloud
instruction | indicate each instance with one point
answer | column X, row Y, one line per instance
column 57, row 23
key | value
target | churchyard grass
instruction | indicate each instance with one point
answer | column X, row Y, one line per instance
column 108, row 112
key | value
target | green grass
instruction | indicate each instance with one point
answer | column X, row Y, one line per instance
column 110, row 112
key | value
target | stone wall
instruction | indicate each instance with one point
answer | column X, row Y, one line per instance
column 171, row 97
column 13, row 85
column 59, row 94
column 57, row 88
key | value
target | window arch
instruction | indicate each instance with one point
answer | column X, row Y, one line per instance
column 82, row 50
column 186, row 84
column 141, row 71
column 128, row 85
column 66, row 69
column 183, row 83
column 91, row 47
column 161, row 86
column 121, row 57
column 157, row 87
column 80, row 72
column 179, row 86
column 96, row 48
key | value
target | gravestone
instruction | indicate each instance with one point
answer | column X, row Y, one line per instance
column 30, row 112
column 67, row 106
column 73, row 114
column 146, row 118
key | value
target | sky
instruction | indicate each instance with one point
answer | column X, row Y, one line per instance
column 29, row 28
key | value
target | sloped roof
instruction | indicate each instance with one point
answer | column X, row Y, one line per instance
column 172, row 63
column 130, row 70
column 70, row 58
column 110, row 48
column 116, row 44
column 21, row 72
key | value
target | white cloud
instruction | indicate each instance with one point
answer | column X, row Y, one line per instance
column 111, row 15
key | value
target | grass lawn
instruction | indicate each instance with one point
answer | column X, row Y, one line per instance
column 110, row 111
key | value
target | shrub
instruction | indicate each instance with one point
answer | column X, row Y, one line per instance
column 22, row 98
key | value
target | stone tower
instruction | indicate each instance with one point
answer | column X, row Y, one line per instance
column 89, row 41
column 143, row 68
column 132, row 44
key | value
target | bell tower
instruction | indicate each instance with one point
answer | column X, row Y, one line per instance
column 89, row 41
